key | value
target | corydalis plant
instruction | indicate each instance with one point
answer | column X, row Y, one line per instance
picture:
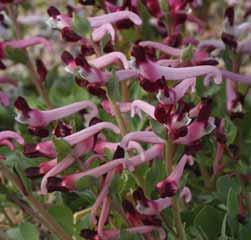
column 153, row 123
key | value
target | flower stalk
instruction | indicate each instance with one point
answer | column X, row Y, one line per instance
column 181, row 235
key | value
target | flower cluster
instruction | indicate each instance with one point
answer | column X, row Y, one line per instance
column 148, row 116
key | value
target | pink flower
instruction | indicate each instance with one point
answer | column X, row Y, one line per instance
column 27, row 42
column 169, row 186
column 37, row 118
column 153, row 72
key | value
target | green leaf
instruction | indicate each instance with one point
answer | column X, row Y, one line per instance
column 156, row 173
column 63, row 148
column 245, row 231
column 113, row 88
column 86, row 182
column 124, row 235
column 81, row 25
column 16, row 55
column 209, row 220
column 23, row 232
column 233, row 210
column 187, row 53
column 230, row 130
column 64, row 216
column 224, row 184
column 158, row 128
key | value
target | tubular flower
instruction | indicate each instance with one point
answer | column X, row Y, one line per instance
column 152, row 71
column 100, row 24
column 7, row 136
column 24, row 43
column 170, row 96
column 37, row 118
column 150, row 207
column 91, row 71
column 169, row 186
column 41, row 170
column 68, row 182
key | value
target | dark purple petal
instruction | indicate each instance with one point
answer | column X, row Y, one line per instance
column 229, row 40
column 55, row 184
column 41, row 69
column 21, row 105
column 53, row 11
column 229, row 14
column 167, row 188
column 70, row 36
column 62, row 129
column 39, row 132
column 66, row 57
column 33, row 172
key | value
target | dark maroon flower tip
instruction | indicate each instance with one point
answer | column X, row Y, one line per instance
column 229, row 14
column 33, row 172
column 205, row 110
column 212, row 62
column 81, row 82
column 87, row 2
column 108, row 47
column 247, row 13
column 138, row 194
column 89, row 234
column 69, row 35
column 96, row 90
column 128, row 206
column 150, row 86
column 41, row 69
column 180, row 132
column 53, row 11
column 229, row 40
column 62, row 129
column 39, row 132
column 55, row 184
column 2, row 65
column 221, row 137
column 180, row 18
column 94, row 121
column 167, row 188
column 67, row 58
column 87, row 50
column 81, row 61
column 21, row 105
column 119, row 153
column 162, row 112
column 124, row 24
column 193, row 148
column 174, row 40
column 70, row 10
column 30, row 150
column 151, row 220
column 139, row 53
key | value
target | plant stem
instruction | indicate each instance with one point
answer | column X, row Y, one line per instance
column 120, row 120
column 170, row 150
column 45, row 217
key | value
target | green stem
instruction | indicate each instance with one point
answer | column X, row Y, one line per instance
column 119, row 118
column 170, row 150
column 45, row 217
